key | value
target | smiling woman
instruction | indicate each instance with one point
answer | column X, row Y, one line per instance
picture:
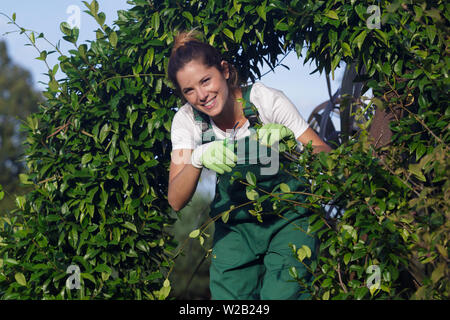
column 250, row 260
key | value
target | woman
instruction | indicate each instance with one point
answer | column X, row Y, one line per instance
column 250, row 259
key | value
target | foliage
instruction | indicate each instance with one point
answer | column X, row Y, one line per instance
column 17, row 100
column 391, row 203
column 394, row 199
column 98, row 151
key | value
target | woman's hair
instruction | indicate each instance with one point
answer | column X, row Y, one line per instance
column 188, row 47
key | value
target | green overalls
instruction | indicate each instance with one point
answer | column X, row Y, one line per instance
column 251, row 259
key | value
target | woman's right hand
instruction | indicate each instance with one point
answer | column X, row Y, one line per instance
column 217, row 156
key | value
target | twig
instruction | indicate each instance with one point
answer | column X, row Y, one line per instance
column 340, row 278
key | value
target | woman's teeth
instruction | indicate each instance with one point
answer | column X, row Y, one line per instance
column 210, row 103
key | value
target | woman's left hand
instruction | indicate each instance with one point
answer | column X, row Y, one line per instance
column 271, row 133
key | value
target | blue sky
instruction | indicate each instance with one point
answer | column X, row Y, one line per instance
column 305, row 91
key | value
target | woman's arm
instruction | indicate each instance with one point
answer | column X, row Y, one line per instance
column 183, row 179
column 317, row 143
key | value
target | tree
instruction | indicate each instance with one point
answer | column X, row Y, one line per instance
column 99, row 150
column 18, row 100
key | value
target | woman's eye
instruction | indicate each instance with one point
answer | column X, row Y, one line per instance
column 206, row 80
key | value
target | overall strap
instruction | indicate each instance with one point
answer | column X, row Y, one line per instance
column 250, row 111
column 203, row 121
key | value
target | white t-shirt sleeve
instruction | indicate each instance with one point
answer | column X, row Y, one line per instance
column 275, row 107
column 183, row 132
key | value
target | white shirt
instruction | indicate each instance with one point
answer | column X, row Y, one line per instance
column 273, row 107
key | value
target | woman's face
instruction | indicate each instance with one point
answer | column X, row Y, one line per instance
column 204, row 87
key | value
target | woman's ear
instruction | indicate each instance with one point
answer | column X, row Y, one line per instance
column 225, row 69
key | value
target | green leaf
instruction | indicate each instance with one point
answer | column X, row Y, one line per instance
column 94, row 7
column 125, row 150
column 228, row 33
column 103, row 268
column 100, row 18
column 239, row 33
column 65, row 28
column 281, row 26
column 398, row 67
column 386, row 68
column 88, row 276
column 416, row 170
column 20, row 278
column 104, row 131
column 293, row 272
column 156, row 21
column 260, row 36
column 251, row 178
column 346, row 49
column 133, row 118
column 20, row 201
column 113, row 39
column 285, row 188
column 42, row 55
column 188, row 16
column 347, row 257
column 130, row 226
column 359, row 40
column 307, row 251
column 225, row 216
column 378, row 102
column 301, row 254
column 431, row 32
column 237, row 6
column 251, row 194
column 332, row 15
column 143, row 246
column 53, row 86
column 383, row 36
column 86, row 158
column 323, row 157
column 24, row 179
column 194, row 234
column 261, row 10
column 166, row 283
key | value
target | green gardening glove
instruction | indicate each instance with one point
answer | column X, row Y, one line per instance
column 217, row 156
column 271, row 133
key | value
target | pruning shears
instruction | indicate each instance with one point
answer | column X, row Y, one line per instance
column 232, row 137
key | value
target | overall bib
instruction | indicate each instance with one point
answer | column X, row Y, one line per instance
column 251, row 259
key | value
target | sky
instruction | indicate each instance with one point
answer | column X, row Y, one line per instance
column 306, row 91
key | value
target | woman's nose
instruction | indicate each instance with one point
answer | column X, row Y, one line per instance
column 202, row 94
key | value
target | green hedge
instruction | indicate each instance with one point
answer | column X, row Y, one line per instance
column 98, row 150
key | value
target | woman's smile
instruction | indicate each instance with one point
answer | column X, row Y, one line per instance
column 210, row 104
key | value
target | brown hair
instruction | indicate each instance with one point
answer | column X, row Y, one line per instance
column 188, row 47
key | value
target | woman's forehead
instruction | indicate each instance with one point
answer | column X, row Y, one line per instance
column 194, row 71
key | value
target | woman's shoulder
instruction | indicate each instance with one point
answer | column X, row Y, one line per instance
column 185, row 112
column 261, row 89
column 263, row 95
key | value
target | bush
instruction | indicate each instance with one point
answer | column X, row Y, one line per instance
column 98, row 151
